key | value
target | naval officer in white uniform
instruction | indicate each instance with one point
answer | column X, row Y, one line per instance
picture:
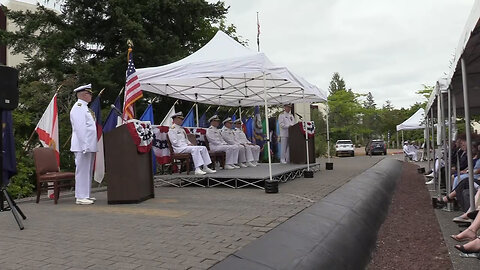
column 181, row 144
column 252, row 151
column 229, row 136
column 285, row 120
column 84, row 143
column 217, row 143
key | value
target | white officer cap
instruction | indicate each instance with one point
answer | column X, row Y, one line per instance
column 214, row 118
column 228, row 119
column 238, row 121
column 87, row 87
column 178, row 114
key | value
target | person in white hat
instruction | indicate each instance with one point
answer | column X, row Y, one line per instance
column 83, row 143
column 285, row 120
column 181, row 144
column 217, row 143
column 229, row 136
column 252, row 151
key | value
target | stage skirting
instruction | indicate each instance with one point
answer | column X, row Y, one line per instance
column 238, row 178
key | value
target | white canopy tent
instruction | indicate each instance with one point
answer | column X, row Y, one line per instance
column 224, row 72
column 416, row 121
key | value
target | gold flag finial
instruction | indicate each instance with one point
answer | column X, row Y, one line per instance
column 130, row 43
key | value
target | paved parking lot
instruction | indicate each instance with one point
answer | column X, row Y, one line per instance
column 182, row 228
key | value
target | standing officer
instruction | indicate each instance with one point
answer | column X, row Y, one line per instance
column 229, row 136
column 285, row 120
column 181, row 144
column 252, row 151
column 84, row 143
column 217, row 143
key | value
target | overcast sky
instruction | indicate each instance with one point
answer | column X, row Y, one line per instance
column 387, row 47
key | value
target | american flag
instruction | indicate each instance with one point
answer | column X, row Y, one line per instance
column 132, row 90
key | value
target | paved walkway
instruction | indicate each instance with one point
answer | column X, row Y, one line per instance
column 182, row 228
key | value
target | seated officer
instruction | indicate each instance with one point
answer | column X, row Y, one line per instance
column 252, row 151
column 217, row 143
column 229, row 136
column 181, row 144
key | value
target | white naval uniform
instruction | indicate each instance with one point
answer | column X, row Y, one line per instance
column 217, row 143
column 83, row 146
column 252, row 151
column 285, row 120
column 181, row 144
column 410, row 151
column 229, row 136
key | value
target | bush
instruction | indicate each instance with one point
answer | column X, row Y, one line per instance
column 22, row 184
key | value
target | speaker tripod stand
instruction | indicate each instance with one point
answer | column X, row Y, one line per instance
column 4, row 195
column 12, row 206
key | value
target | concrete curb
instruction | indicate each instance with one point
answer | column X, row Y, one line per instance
column 338, row 232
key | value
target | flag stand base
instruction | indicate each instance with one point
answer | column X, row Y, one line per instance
column 308, row 174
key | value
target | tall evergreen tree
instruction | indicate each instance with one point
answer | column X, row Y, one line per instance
column 336, row 84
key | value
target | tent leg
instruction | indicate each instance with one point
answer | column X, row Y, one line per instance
column 270, row 185
column 448, row 167
column 308, row 174
column 469, row 135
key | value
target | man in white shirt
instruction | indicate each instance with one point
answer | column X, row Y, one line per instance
column 83, row 143
column 181, row 144
column 229, row 136
column 217, row 143
column 285, row 120
column 252, row 151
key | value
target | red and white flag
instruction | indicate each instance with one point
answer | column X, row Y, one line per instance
column 132, row 89
column 47, row 128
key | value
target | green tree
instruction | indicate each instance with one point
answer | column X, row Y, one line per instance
column 86, row 43
column 336, row 84
column 344, row 116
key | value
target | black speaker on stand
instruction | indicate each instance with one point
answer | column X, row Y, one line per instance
column 8, row 102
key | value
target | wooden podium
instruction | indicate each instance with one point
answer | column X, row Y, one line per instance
column 296, row 141
column 128, row 173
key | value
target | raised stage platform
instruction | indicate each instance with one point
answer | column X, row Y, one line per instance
column 238, row 178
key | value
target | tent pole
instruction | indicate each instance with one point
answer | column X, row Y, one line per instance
column 442, row 137
column 306, row 130
column 403, row 141
column 433, row 149
column 448, row 166
column 469, row 135
column 328, row 136
column 266, row 125
column 427, row 140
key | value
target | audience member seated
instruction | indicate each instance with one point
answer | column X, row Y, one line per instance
column 410, row 151
column 181, row 144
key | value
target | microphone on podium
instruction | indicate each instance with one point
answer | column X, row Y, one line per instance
column 299, row 116
column 118, row 112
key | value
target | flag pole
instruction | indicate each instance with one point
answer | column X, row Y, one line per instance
column 33, row 132
column 258, row 34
